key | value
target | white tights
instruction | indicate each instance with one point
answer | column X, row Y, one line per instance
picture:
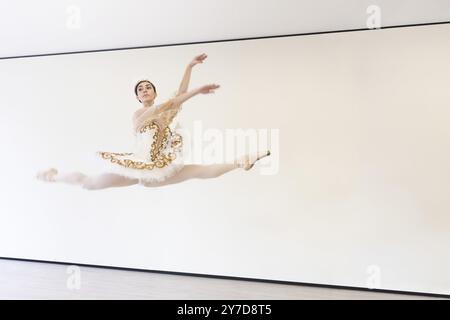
column 112, row 180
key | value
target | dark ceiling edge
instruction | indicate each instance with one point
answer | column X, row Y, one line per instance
column 227, row 40
column 283, row 282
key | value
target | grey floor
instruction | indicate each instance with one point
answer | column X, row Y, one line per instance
column 36, row 280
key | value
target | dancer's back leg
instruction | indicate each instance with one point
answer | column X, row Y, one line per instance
column 94, row 182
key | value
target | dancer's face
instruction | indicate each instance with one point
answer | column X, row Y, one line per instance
column 145, row 92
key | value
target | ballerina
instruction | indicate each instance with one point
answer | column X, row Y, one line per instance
column 158, row 157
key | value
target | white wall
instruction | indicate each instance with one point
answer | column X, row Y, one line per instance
column 363, row 156
column 37, row 27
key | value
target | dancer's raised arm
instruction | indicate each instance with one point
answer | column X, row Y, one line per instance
column 187, row 74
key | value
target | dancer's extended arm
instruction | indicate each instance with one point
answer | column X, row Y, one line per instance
column 178, row 100
column 187, row 73
column 171, row 107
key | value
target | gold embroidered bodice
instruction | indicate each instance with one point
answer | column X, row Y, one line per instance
column 155, row 143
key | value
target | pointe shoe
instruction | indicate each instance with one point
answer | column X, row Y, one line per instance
column 248, row 163
column 47, row 175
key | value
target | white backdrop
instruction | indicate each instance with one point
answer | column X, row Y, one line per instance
column 360, row 197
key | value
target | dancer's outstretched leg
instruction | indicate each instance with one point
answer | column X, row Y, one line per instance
column 97, row 182
column 199, row 171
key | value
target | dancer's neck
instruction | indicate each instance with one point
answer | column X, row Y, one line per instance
column 147, row 104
